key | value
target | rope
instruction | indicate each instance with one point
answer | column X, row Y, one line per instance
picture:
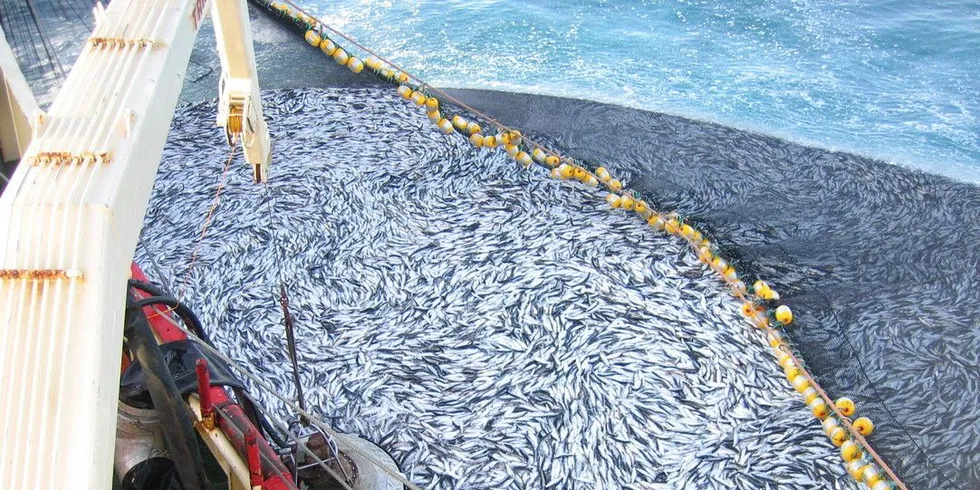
column 207, row 219
column 204, row 230
column 419, row 81
column 284, row 305
column 156, row 268
column 862, row 370
column 48, row 48
column 291, row 347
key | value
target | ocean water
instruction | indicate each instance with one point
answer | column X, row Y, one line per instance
column 890, row 79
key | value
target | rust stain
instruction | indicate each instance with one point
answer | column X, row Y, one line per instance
column 63, row 158
column 120, row 42
column 36, row 275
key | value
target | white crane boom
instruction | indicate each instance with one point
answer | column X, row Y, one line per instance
column 70, row 218
column 239, row 104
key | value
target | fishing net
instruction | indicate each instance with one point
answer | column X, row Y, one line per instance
column 488, row 325
column 878, row 262
column 46, row 37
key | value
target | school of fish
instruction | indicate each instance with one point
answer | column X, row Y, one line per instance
column 488, row 326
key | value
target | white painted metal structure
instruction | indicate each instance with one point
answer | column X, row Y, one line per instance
column 239, row 106
column 17, row 106
column 69, row 221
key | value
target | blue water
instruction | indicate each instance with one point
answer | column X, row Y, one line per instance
column 892, row 79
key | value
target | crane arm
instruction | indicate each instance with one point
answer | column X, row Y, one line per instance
column 239, row 104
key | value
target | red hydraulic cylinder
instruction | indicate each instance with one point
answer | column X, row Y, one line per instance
column 204, row 391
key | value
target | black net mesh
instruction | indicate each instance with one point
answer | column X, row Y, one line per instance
column 46, row 37
column 879, row 263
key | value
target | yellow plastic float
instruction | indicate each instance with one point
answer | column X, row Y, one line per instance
column 626, row 203
column 539, row 155
column 405, row 91
column 355, row 65
column 864, row 426
column 656, row 222
column 775, row 337
column 524, row 159
column 819, row 407
column 312, row 37
column 850, row 451
column 871, row 474
column 810, row 396
column 373, row 63
column 341, row 56
column 800, row 383
column 784, row 315
column 838, row 436
column 445, row 126
column 845, row 406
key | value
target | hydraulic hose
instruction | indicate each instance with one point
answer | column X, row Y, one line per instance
column 193, row 323
column 174, row 414
column 186, row 314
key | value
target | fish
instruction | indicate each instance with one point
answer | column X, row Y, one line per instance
column 488, row 326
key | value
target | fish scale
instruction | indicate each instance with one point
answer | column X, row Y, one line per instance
column 488, row 326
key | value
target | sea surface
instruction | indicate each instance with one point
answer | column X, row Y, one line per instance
column 889, row 79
